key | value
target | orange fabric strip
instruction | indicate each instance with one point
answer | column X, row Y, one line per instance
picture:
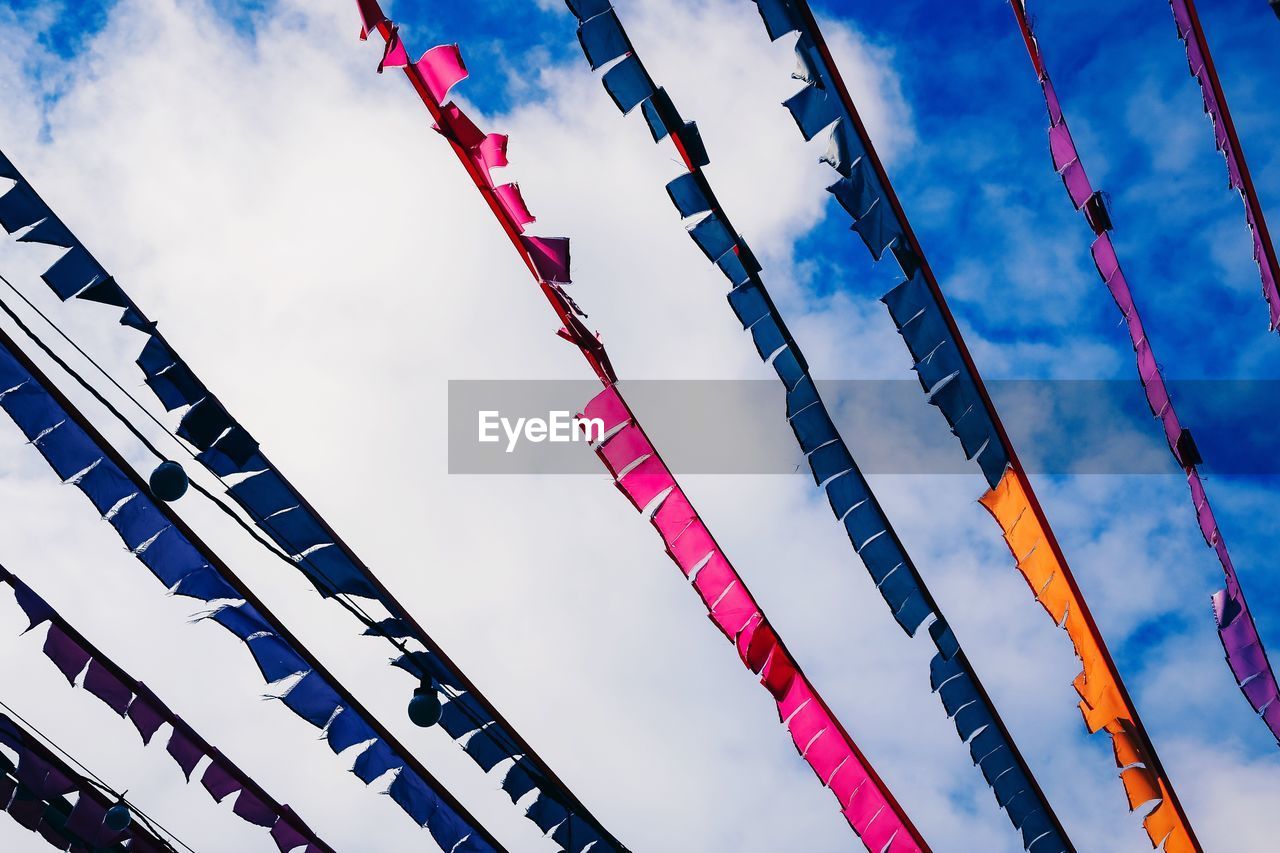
column 1102, row 702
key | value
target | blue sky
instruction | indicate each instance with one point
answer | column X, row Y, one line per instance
column 242, row 137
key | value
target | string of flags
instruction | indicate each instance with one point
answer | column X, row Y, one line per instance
column 74, row 656
column 642, row 476
column 42, row 792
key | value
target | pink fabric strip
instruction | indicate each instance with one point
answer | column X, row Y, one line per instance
column 692, row 546
column 441, row 68
column 1245, row 654
column 513, row 203
column 396, row 56
column 675, row 514
column 608, row 407
column 370, row 16
column 624, row 447
column 550, row 256
column 646, row 481
column 492, row 152
column 1200, row 68
column 730, row 605
column 714, row 578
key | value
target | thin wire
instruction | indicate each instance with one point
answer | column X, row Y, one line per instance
column 94, row 778
column 89, row 358
column 499, row 737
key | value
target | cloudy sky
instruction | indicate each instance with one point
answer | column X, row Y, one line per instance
column 322, row 261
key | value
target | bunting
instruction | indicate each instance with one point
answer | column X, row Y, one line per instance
column 178, row 559
column 603, row 38
column 948, row 376
column 641, row 475
column 1245, row 653
column 34, row 791
column 279, row 510
column 1200, row 64
column 74, row 656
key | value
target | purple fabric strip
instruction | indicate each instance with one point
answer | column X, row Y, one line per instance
column 104, row 684
column 33, row 605
column 55, row 838
column 86, row 819
column 1244, row 650
column 184, row 751
column 286, row 835
column 27, row 812
column 147, row 714
column 218, row 780
column 1234, row 159
column 1061, row 147
column 32, row 772
column 65, row 653
column 140, row 705
column 252, row 809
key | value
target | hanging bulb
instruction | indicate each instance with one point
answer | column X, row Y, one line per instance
column 424, row 707
column 118, row 818
column 168, row 481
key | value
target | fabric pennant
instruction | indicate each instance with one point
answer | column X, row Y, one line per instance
column 602, row 39
column 20, row 207
column 73, row 272
column 628, row 84
column 51, row 232
column 550, row 257
column 442, row 68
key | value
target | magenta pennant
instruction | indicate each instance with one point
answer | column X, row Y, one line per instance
column 441, row 68
column 608, row 409
column 395, row 55
column 511, row 201
column 549, row 256
column 625, row 447
column 370, row 16
column 491, row 152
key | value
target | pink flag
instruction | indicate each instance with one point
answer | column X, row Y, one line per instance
column 624, row 447
column 1062, row 147
column 692, row 546
column 370, row 16
column 713, row 579
column 395, row 55
column 512, row 202
column 441, row 67
column 608, row 408
column 646, row 481
column 550, row 257
column 458, row 126
column 673, row 516
column 492, row 152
